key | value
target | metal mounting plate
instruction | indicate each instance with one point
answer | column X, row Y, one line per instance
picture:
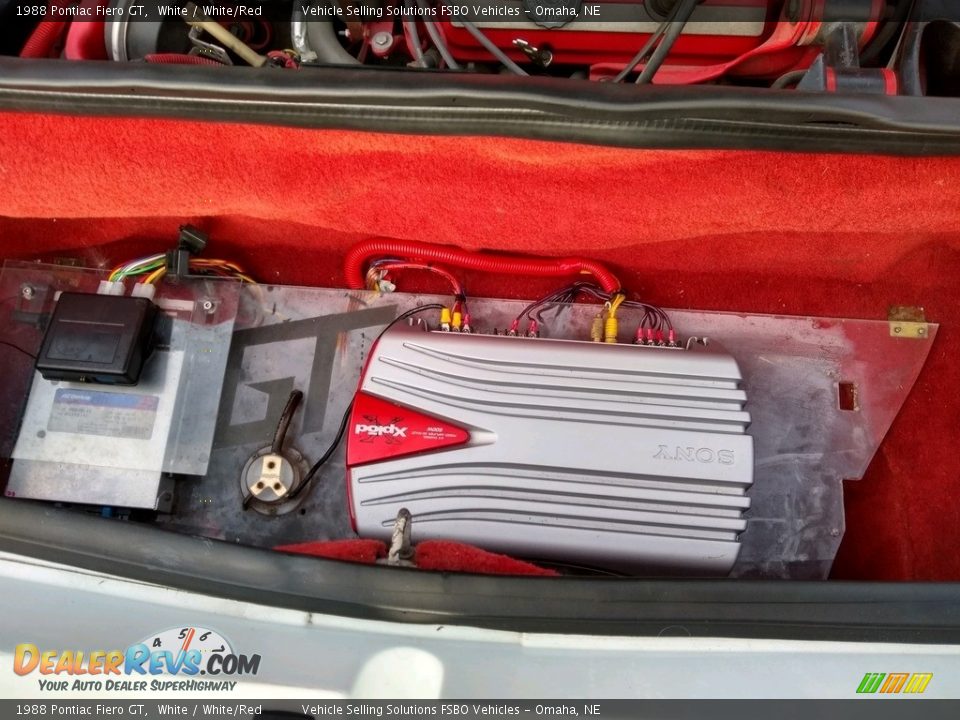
column 822, row 394
column 795, row 367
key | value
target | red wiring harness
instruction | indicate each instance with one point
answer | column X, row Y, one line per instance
column 179, row 59
column 363, row 252
column 45, row 38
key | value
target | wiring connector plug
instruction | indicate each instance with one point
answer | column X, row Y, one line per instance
column 611, row 328
column 596, row 328
column 146, row 290
column 107, row 287
column 385, row 286
column 445, row 319
column 457, row 322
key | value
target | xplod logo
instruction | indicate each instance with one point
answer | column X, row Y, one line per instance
column 373, row 429
column 894, row 683
column 187, row 652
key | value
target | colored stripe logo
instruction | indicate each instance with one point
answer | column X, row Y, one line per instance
column 894, row 683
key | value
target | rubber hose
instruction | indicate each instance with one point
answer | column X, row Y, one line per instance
column 179, row 59
column 362, row 252
column 320, row 38
column 491, row 47
column 43, row 39
column 412, row 35
column 684, row 11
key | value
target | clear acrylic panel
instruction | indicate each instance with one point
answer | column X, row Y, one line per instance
column 800, row 375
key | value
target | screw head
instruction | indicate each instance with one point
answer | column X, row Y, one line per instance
column 382, row 39
column 208, row 305
column 27, row 292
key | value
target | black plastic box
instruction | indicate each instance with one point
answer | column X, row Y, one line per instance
column 98, row 338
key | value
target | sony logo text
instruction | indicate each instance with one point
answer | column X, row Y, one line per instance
column 692, row 454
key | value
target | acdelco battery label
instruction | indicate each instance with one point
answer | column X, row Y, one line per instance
column 110, row 414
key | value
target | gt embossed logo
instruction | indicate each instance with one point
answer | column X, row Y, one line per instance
column 692, row 454
column 249, row 377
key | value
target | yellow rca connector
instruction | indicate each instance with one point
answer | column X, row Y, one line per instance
column 611, row 329
column 611, row 325
column 457, row 321
column 596, row 329
column 445, row 319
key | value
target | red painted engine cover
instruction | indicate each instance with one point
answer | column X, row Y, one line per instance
column 719, row 30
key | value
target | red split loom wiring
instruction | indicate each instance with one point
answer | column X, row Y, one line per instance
column 179, row 59
column 42, row 42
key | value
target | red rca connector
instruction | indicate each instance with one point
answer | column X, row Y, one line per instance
column 638, row 340
column 466, row 324
column 533, row 330
column 649, row 337
column 671, row 338
column 514, row 328
column 660, row 337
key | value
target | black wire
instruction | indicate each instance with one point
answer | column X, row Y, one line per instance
column 653, row 316
column 896, row 22
column 311, row 474
column 308, row 478
column 685, row 9
column 479, row 36
column 437, row 38
column 787, row 79
column 18, row 349
column 647, row 47
column 285, row 418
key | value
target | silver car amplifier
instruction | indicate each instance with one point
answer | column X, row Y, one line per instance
column 628, row 457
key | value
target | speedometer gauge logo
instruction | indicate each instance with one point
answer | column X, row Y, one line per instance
column 184, row 639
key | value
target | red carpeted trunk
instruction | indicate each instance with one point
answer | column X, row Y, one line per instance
column 770, row 232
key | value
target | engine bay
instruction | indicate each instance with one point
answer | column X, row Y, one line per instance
column 885, row 47
column 587, row 432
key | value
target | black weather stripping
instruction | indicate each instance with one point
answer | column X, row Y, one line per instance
column 866, row 612
column 464, row 104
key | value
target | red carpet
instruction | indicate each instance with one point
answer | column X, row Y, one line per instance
column 429, row 555
column 753, row 231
